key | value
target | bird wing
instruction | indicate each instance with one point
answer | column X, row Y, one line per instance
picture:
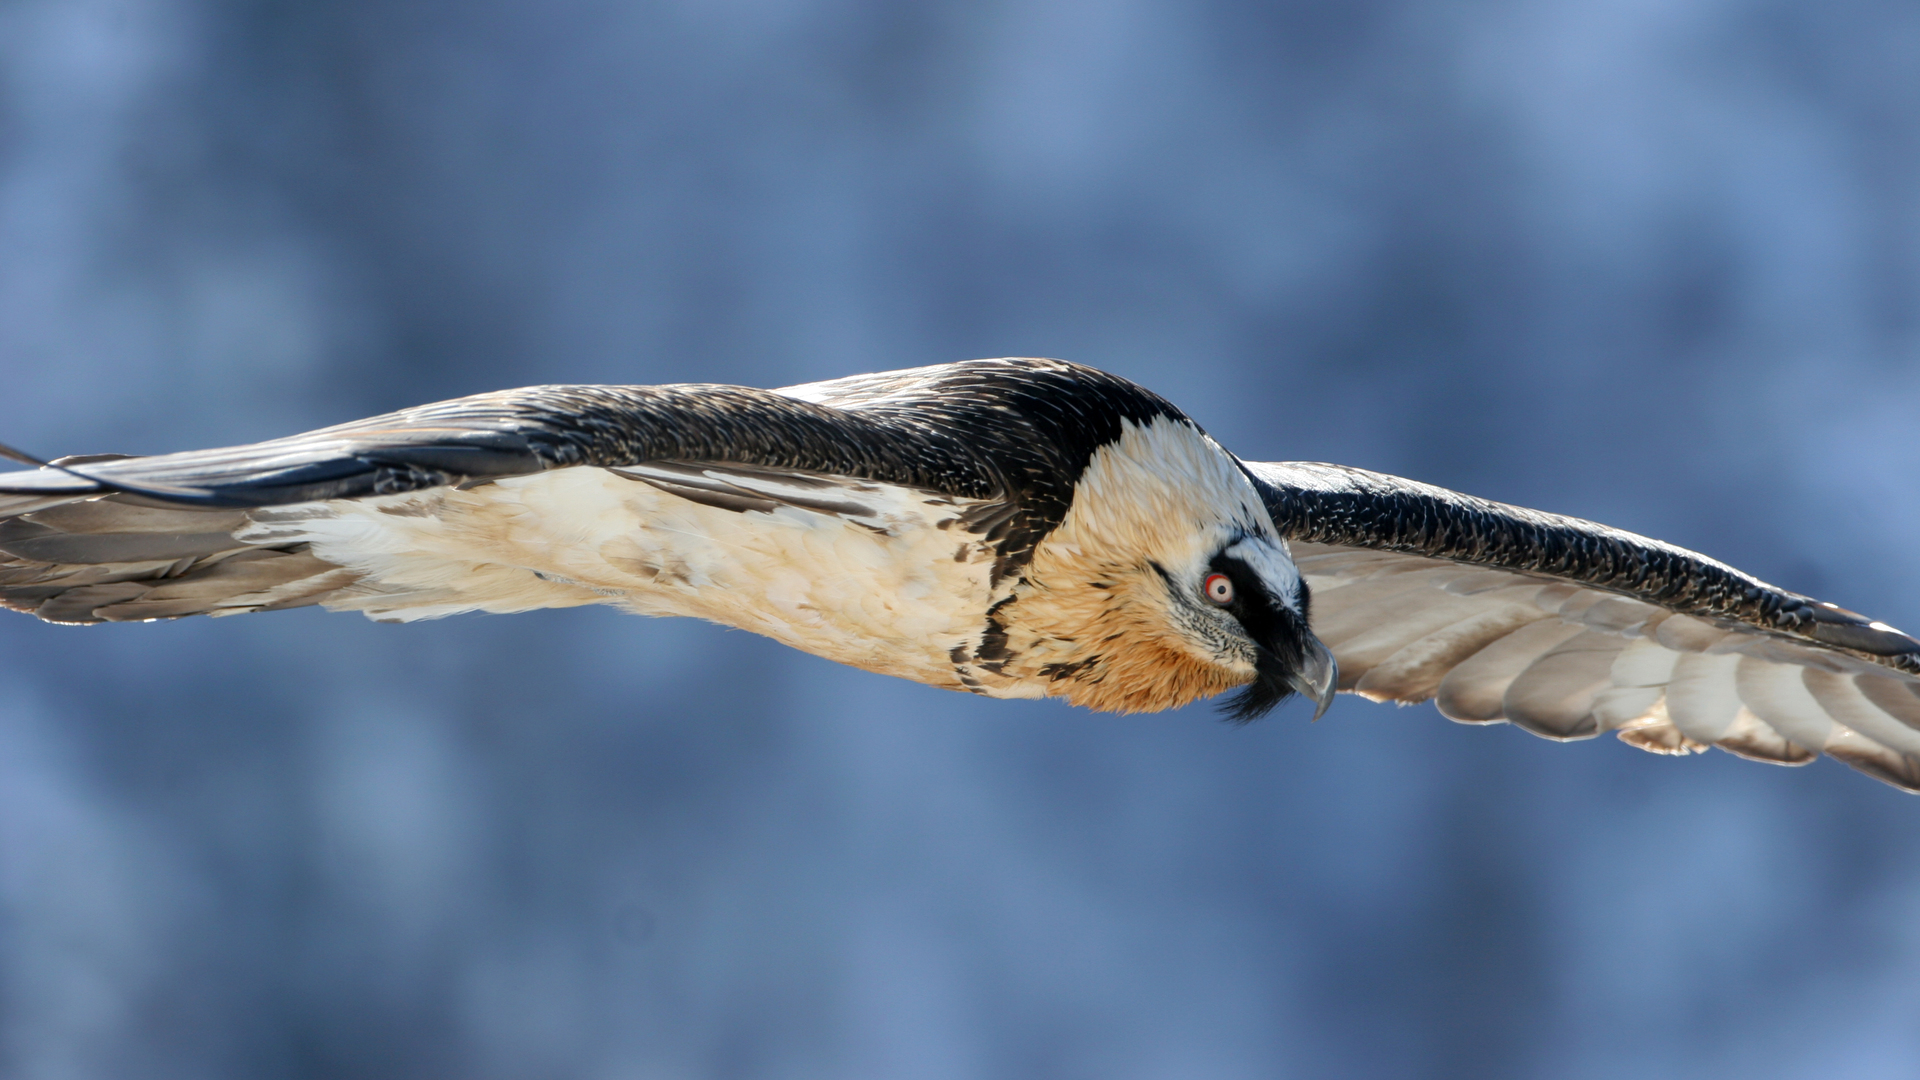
column 473, row 440
column 134, row 538
column 1568, row 629
column 109, row 537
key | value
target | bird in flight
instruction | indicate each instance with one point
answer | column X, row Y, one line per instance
column 1016, row 528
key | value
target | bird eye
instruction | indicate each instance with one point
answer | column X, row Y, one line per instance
column 1219, row 589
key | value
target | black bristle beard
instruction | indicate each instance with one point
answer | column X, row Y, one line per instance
column 1268, row 689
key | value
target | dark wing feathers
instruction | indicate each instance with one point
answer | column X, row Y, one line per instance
column 1570, row 629
column 978, row 430
column 741, row 488
column 1013, row 433
column 1335, row 504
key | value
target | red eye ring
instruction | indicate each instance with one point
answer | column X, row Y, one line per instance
column 1218, row 588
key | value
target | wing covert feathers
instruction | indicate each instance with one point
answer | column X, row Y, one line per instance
column 1335, row 504
column 1017, row 432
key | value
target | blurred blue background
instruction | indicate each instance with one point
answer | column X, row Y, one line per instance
column 1655, row 262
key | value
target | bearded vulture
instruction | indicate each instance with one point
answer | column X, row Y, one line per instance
column 1015, row 528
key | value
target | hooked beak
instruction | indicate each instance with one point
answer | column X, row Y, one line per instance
column 1317, row 675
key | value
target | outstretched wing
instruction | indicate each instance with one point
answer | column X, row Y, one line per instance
column 1569, row 629
column 114, row 538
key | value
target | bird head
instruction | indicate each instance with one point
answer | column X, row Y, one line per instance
column 1246, row 610
column 1166, row 582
